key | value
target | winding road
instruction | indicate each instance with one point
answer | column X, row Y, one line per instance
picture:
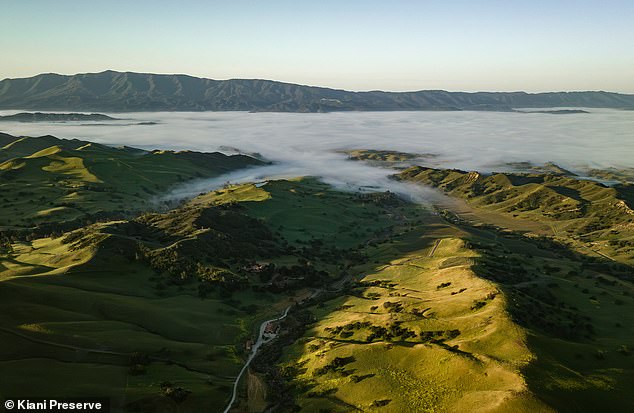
column 261, row 340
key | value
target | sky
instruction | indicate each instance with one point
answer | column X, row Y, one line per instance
column 394, row 45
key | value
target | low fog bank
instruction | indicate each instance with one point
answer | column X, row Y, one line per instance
column 306, row 144
column 338, row 172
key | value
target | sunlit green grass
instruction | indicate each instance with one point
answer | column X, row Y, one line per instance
column 47, row 179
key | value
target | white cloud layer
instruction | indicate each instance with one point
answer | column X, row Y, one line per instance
column 306, row 144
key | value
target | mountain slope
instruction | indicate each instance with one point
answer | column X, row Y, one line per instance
column 117, row 91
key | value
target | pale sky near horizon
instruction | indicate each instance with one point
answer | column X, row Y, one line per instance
column 396, row 45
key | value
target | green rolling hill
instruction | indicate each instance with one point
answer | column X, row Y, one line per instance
column 586, row 215
column 513, row 294
column 168, row 300
column 47, row 180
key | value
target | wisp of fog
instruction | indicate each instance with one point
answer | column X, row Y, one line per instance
column 309, row 143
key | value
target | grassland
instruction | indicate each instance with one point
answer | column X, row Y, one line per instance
column 449, row 316
column 518, row 307
column 81, row 316
column 576, row 312
column 410, row 335
column 515, row 296
column 49, row 180
column 587, row 216
column 119, row 308
column 560, row 250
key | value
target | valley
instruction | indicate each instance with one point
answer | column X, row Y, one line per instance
column 513, row 292
column 317, row 207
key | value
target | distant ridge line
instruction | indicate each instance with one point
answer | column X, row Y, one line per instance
column 129, row 91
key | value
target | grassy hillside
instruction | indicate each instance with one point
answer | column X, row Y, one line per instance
column 185, row 289
column 449, row 316
column 576, row 312
column 389, row 159
column 516, row 296
column 419, row 332
column 50, row 180
column 623, row 175
column 586, row 215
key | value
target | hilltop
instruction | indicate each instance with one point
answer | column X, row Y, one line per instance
column 128, row 91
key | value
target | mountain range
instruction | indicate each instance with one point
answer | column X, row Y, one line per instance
column 127, row 91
